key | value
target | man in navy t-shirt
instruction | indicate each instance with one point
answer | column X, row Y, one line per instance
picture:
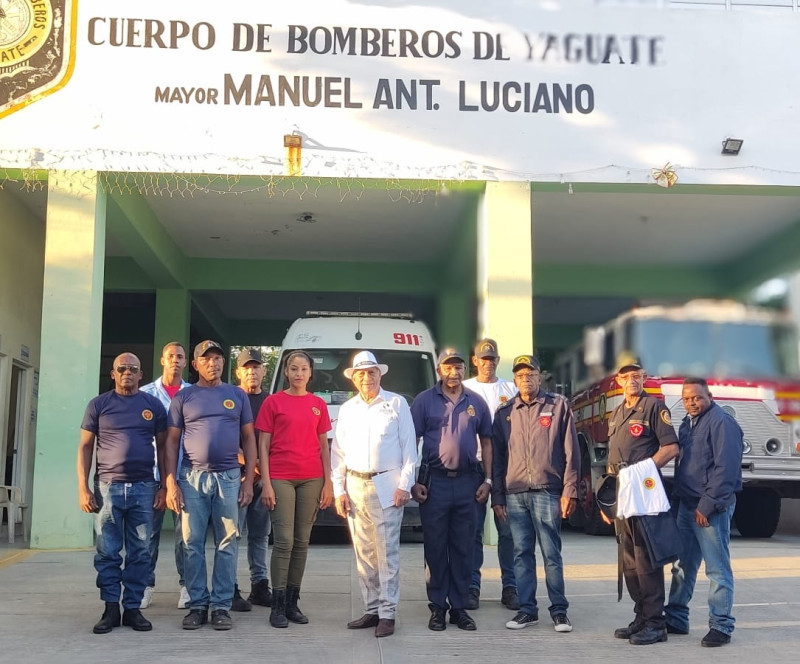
column 212, row 416
column 121, row 425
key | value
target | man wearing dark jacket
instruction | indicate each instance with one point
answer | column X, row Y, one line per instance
column 708, row 474
column 535, row 459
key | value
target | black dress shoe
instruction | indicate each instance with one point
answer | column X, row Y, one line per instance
column 474, row 599
column 715, row 638
column 134, row 618
column 385, row 627
column 367, row 620
column 647, row 636
column 110, row 619
column 462, row 620
column 509, row 598
column 627, row 632
column 437, row 623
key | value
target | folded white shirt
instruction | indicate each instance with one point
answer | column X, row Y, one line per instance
column 640, row 491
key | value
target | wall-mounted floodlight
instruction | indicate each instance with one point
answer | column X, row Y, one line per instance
column 732, row 146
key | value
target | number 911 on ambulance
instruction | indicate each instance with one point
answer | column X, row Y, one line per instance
column 333, row 338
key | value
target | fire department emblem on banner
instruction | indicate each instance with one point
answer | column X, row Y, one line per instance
column 37, row 50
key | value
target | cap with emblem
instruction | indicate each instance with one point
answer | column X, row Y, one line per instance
column 450, row 355
column 521, row 361
column 486, row 348
column 204, row 346
column 365, row 360
column 606, row 495
column 249, row 355
column 627, row 361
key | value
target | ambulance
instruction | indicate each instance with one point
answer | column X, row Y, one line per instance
column 748, row 355
column 332, row 338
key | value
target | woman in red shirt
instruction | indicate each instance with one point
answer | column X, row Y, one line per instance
column 296, row 466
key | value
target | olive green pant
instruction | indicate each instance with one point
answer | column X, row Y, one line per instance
column 296, row 505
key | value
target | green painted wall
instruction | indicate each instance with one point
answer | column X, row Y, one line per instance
column 71, row 331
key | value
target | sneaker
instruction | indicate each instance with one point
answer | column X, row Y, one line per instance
column 715, row 638
column 260, row 593
column 147, row 598
column 522, row 620
column 221, row 620
column 195, row 619
column 239, row 603
column 561, row 623
column 183, row 600
column 509, row 598
column 474, row 599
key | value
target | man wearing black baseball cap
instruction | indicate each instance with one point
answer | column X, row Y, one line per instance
column 451, row 421
column 208, row 419
column 640, row 428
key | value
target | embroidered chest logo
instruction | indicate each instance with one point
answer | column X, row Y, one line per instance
column 649, row 483
column 545, row 421
column 147, row 414
column 229, row 404
column 503, row 399
column 470, row 411
column 636, row 430
column 315, row 410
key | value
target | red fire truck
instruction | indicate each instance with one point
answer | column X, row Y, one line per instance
column 749, row 357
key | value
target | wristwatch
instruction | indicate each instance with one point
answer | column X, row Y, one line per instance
column 488, row 481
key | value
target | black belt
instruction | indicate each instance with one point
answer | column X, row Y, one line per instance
column 450, row 473
column 365, row 476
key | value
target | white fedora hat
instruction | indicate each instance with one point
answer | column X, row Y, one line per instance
column 365, row 360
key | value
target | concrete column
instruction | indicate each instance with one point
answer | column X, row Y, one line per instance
column 505, row 279
column 173, row 314
column 505, row 270
column 72, row 308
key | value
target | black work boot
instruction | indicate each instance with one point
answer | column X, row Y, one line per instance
column 293, row 613
column 111, row 619
column 277, row 617
column 260, row 593
column 134, row 618
column 239, row 603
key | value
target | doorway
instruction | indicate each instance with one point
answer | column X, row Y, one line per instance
column 15, row 429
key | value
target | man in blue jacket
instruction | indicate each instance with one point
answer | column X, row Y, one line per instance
column 708, row 475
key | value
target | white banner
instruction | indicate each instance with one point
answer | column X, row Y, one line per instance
column 541, row 91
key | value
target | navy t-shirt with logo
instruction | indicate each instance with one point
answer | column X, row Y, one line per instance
column 124, row 427
column 212, row 420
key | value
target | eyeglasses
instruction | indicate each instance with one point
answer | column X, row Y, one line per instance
column 526, row 376
column 122, row 368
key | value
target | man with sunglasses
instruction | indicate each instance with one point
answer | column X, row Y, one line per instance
column 121, row 425
column 640, row 428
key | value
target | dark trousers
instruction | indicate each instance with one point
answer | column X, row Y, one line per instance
column 644, row 582
column 448, row 526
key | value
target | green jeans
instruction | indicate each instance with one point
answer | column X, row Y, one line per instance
column 296, row 505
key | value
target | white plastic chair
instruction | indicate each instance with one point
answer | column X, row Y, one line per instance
column 10, row 501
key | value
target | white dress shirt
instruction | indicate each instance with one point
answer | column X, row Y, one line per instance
column 374, row 437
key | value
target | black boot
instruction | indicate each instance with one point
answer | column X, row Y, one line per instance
column 111, row 618
column 277, row 616
column 293, row 613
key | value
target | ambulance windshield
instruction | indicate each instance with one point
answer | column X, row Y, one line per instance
column 715, row 349
column 409, row 373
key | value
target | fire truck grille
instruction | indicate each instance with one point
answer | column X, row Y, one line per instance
column 758, row 423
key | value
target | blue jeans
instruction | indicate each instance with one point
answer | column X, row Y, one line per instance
column 255, row 517
column 124, row 519
column 155, row 541
column 711, row 545
column 536, row 515
column 213, row 497
column 505, row 550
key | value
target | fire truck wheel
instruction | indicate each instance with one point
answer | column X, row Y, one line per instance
column 757, row 513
